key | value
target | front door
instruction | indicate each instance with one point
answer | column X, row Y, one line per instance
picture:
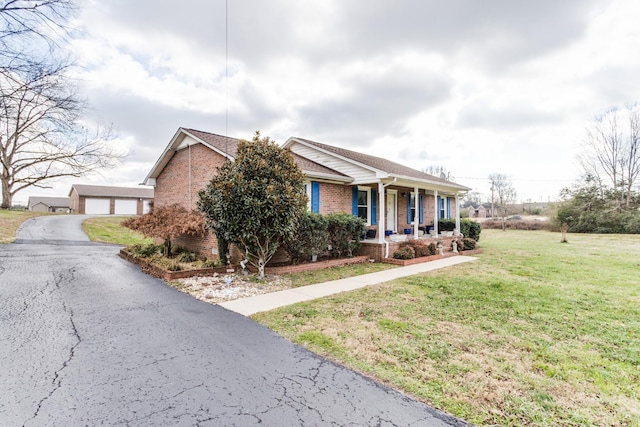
column 392, row 210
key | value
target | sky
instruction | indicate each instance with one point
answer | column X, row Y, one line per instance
column 478, row 87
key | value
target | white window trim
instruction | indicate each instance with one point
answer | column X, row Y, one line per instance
column 307, row 185
column 368, row 190
column 395, row 216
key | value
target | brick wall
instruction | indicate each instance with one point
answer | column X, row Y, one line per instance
column 334, row 198
column 172, row 185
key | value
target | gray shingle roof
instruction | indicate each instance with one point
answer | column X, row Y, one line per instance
column 379, row 163
column 224, row 144
column 108, row 191
column 49, row 201
column 229, row 146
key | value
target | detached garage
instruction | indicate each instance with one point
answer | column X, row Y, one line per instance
column 106, row 200
column 97, row 206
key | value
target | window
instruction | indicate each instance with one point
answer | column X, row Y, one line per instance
column 307, row 191
column 312, row 190
column 442, row 208
column 363, row 204
column 412, row 207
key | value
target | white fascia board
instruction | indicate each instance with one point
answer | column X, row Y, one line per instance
column 198, row 140
column 328, row 177
column 337, row 156
column 174, row 145
column 436, row 185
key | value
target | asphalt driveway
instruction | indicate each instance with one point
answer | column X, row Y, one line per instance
column 87, row 339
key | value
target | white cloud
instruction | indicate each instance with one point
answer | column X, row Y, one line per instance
column 478, row 87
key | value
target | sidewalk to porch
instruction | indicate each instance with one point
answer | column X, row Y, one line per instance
column 266, row 302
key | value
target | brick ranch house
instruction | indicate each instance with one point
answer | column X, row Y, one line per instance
column 393, row 199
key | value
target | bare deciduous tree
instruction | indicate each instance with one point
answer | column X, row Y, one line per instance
column 611, row 151
column 41, row 132
column 502, row 195
column 23, row 22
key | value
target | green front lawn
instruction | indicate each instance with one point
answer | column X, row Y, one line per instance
column 534, row 333
column 107, row 229
column 11, row 220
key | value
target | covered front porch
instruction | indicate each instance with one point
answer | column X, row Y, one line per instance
column 412, row 208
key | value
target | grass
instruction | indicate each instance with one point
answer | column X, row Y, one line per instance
column 535, row 333
column 107, row 229
column 318, row 276
column 11, row 220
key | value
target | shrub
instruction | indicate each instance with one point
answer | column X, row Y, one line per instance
column 255, row 200
column 145, row 251
column 186, row 256
column 467, row 227
column 404, row 252
column 432, row 248
column 468, row 244
column 516, row 225
column 471, row 229
column 420, row 248
column 211, row 263
column 344, row 233
column 174, row 266
column 310, row 237
column 167, row 222
column 446, row 225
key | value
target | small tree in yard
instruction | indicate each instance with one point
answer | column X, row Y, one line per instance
column 255, row 201
column 167, row 222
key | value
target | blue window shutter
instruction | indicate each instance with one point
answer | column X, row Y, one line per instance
column 374, row 207
column 421, row 210
column 354, row 200
column 440, row 207
column 315, row 197
column 409, row 217
column 449, row 207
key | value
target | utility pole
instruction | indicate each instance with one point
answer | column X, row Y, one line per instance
column 492, row 188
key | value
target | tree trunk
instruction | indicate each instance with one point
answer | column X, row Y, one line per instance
column 7, row 197
column 261, row 265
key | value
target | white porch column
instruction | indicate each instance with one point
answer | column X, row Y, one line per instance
column 435, row 215
column 457, row 214
column 381, row 219
column 416, row 215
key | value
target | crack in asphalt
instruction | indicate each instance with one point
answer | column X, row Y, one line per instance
column 56, row 381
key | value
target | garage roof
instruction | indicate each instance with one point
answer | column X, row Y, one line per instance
column 108, row 191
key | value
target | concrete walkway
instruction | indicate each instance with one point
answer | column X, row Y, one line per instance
column 266, row 302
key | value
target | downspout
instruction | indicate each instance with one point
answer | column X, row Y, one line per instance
column 190, row 186
column 457, row 215
column 416, row 215
column 382, row 237
column 436, row 215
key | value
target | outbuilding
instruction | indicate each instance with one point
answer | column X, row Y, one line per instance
column 108, row 200
column 49, row 204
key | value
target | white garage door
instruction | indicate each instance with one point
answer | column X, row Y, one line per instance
column 146, row 206
column 126, row 207
column 96, row 206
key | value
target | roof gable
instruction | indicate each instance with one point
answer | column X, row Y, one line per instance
column 224, row 145
column 381, row 167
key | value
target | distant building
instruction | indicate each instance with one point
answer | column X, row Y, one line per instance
column 106, row 200
column 48, row 204
column 480, row 211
